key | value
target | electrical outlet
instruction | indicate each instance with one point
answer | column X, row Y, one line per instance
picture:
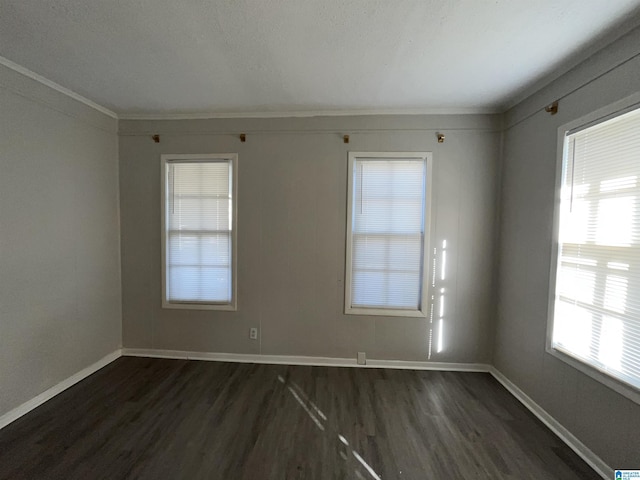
column 362, row 358
column 253, row 333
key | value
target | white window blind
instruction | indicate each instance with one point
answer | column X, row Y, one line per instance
column 596, row 316
column 386, row 236
column 199, row 231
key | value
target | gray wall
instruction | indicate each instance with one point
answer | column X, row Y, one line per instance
column 603, row 420
column 60, row 301
column 291, row 236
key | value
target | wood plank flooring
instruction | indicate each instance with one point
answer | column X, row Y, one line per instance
column 156, row 419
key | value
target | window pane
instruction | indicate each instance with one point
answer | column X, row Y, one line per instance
column 610, row 353
column 199, row 231
column 613, row 225
column 387, row 232
column 573, row 328
column 597, row 301
column 384, row 251
column 199, row 249
column 200, row 213
column 386, row 289
column 576, row 283
column 199, row 284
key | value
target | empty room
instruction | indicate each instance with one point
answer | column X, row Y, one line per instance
column 320, row 239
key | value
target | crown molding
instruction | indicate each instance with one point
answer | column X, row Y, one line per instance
column 578, row 60
column 53, row 85
column 310, row 113
column 250, row 114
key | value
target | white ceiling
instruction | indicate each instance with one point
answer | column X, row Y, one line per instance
column 196, row 56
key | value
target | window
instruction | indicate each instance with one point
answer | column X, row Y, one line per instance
column 387, row 232
column 199, row 231
column 595, row 304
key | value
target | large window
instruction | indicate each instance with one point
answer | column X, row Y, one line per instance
column 387, row 232
column 199, row 231
column 595, row 308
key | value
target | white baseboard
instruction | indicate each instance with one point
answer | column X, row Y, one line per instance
column 29, row 405
column 300, row 360
column 565, row 435
column 595, row 462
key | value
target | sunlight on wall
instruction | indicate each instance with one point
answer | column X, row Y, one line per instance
column 437, row 298
column 443, row 275
column 431, row 299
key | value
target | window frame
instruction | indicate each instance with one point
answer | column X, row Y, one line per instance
column 601, row 115
column 165, row 159
column 422, row 312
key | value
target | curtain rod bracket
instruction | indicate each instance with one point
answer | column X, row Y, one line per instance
column 345, row 138
column 552, row 109
column 243, row 137
column 156, row 138
column 440, row 137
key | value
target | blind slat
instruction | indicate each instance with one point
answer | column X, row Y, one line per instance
column 597, row 303
column 199, row 236
column 387, row 238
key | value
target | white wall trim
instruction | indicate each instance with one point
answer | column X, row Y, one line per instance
column 313, row 113
column 427, row 160
column 165, row 161
column 301, row 360
column 595, row 462
column 565, row 435
column 597, row 45
column 59, row 88
column 35, row 402
column 250, row 114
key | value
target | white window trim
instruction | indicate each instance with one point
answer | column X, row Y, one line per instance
column 598, row 116
column 164, row 159
column 426, row 264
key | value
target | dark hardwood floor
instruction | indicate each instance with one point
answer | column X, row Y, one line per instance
column 172, row 419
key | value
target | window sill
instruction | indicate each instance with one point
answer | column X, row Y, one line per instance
column 385, row 312
column 199, row 306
